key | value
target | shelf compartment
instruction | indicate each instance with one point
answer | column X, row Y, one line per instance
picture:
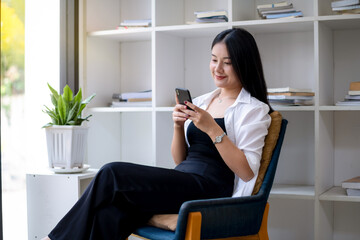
column 179, row 12
column 289, row 191
column 108, row 14
column 325, row 11
column 339, row 60
column 192, row 54
column 293, row 53
column 247, row 10
column 341, row 22
column 338, row 194
column 111, row 138
column 110, row 68
column 291, row 219
column 297, row 157
column 164, row 135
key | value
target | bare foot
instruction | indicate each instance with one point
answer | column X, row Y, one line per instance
column 46, row 238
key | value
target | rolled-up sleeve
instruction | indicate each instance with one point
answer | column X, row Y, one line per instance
column 250, row 130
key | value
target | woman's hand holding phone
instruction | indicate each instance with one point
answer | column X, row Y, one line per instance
column 201, row 119
column 179, row 116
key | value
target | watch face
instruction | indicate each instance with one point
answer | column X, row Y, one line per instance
column 218, row 139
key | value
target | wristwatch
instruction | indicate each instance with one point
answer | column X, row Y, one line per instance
column 218, row 139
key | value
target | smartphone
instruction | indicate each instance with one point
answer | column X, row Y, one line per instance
column 183, row 95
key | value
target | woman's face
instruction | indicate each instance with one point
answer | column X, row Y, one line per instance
column 221, row 68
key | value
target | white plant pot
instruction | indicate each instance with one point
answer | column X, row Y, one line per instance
column 66, row 146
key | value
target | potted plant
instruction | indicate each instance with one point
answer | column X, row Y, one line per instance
column 66, row 138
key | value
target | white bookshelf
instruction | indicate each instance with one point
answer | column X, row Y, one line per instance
column 319, row 51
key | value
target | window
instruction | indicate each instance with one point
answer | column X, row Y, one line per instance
column 38, row 46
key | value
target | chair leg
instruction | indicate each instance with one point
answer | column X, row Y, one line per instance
column 193, row 229
column 263, row 232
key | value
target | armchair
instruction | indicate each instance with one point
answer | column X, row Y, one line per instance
column 230, row 218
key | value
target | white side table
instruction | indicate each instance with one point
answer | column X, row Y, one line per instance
column 50, row 196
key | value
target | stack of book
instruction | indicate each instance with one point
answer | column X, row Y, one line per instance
column 346, row 6
column 278, row 10
column 132, row 99
column 288, row 96
column 353, row 96
column 352, row 186
column 211, row 16
column 135, row 23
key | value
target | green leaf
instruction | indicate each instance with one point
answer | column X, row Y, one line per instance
column 87, row 100
column 54, row 92
column 78, row 96
column 73, row 112
column 68, row 94
column 82, row 106
column 52, row 113
column 53, row 100
column 62, row 110
column 47, row 125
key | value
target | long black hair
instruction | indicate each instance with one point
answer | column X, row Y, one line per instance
column 246, row 61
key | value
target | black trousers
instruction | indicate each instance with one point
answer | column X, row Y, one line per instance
column 124, row 196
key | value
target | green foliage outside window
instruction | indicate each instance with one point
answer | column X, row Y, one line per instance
column 12, row 49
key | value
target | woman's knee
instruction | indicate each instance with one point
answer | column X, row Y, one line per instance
column 118, row 170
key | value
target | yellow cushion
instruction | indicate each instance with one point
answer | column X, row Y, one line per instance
column 164, row 221
column 270, row 143
column 169, row 221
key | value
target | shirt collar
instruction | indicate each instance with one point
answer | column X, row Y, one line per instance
column 243, row 97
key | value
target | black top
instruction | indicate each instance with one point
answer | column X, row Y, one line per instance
column 203, row 158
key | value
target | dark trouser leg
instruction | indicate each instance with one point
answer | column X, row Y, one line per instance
column 130, row 186
column 111, row 222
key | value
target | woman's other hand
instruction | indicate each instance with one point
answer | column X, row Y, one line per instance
column 201, row 118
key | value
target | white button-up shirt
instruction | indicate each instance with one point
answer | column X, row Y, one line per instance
column 246, row 122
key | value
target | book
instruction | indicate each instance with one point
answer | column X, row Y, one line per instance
column 352, row 97
column 273, row 5
column 131, row 104
column 346, row 8
column 292, row 93
column 284, row 15
column 261, row 10
column 208, row 14
column 132, row 95
column 211, row 20
column 348, row 103
column 288, row 89
column 353, row 92
column 136, row 23
column 351, row 183
column 264, row 13
column 291, row 102
column 351, row 11
column 342, row 3
column 353, row 192
column 281, row 97
column 354, row 86
column 139, row 100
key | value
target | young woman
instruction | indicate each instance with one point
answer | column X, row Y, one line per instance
column 216, row 148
